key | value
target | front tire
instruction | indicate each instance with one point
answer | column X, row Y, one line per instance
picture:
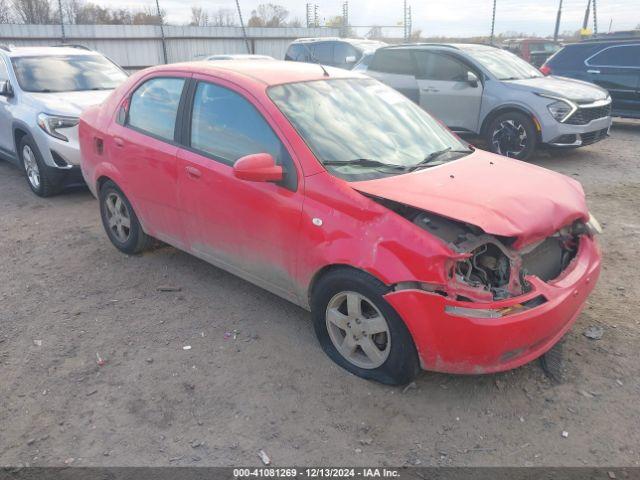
column 120, row 221
column 360, row 331
column 39, row 178
column 512, row 134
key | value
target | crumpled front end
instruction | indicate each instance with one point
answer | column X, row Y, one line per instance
column 502, row 304
column 502, row 307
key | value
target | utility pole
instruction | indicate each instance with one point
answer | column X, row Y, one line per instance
column 164, row 43
column 585, row 22
column 64, row 36
column 308, row 11
column 244, row 30
column 316, row 23
column 493, row 21
column 555, row 32
column 345, row 19
column 595, row 19
column 404, row 20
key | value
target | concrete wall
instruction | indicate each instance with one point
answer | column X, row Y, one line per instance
column 139, row 46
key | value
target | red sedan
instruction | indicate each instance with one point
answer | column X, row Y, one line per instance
column 327, row 188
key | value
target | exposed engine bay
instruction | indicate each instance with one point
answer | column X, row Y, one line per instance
column 489, row 268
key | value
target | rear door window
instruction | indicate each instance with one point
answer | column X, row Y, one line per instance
column 437, row 66
column 617, row 56
column 154, row 107
column 393, row 61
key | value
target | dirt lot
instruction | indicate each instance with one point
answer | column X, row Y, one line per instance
column 267, row 385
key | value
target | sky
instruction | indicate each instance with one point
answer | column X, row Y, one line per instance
column 435, row 18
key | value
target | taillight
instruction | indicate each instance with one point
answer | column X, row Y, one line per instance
column 545, row 69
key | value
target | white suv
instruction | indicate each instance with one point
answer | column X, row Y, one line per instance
column 43, row 90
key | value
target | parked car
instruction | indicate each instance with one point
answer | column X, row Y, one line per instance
column 336, row 52
column 239, row 56
column 43, row 90
column 487, row 91
column 409, row 247
column 533, row 50
column 612, row 64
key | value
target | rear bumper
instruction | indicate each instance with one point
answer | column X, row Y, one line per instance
column 461, row 344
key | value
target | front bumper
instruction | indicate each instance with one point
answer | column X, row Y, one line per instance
column 457, row 344
column 56, row 153
column 556, row 134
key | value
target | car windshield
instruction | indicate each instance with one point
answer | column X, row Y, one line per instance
column 361, row 129
column 502, row 64
column 66, row 73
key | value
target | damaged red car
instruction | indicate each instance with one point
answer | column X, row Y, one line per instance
column 410, row 248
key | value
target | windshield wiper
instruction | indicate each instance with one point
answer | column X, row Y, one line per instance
column 431, row 159
column 365, row 162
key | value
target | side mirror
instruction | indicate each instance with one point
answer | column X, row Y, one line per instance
column 258, row 167
column 350, row 59
column 472, row 79
column 5, row 89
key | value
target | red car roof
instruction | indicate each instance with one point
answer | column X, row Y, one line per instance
column 267, row 73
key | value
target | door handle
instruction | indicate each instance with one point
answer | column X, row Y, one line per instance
column 118, row 142
column 593, row 71
column 429, row 90
column 193, row 172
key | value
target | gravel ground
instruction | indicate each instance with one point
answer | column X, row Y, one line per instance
column 255, row 378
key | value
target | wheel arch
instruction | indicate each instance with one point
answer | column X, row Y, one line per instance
column 335, row 267
column 19, row 130
column 511, row 107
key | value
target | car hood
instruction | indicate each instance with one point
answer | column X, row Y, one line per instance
column 501, row 196
column 575, row 90
column 69, row 103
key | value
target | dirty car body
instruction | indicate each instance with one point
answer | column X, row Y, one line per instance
column 485, row 260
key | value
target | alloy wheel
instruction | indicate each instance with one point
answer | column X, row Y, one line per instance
column 118, row 217
column 358, row 330
column 31, row 167
column 509, row 138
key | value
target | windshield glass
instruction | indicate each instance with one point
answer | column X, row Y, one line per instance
column 66, row 73
column 502, row 64
column 361, row 129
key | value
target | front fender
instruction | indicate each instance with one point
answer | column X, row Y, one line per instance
column 344, row 227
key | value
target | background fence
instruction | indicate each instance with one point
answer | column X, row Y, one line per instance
column 139, row 46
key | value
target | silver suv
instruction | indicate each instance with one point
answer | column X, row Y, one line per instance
column 483, row 90
column 43, row 90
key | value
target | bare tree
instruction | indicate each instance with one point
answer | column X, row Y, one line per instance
column 271, row 15
column 199, row 17
column 255, row 20
column 33, row 11
column 294, row 22
column 5, row 12
column 148, row 16
column 223, row 17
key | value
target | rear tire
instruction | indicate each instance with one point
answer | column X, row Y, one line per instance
column 38, row 175
column 512, row 134
column 360, row 331
column 120, row 221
